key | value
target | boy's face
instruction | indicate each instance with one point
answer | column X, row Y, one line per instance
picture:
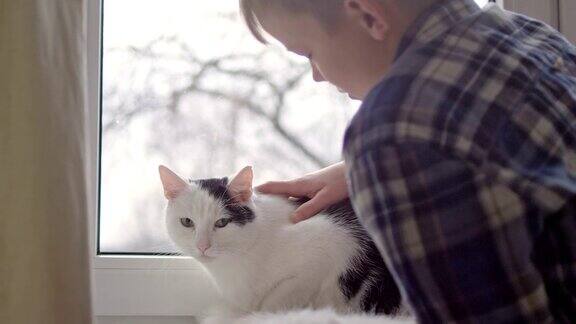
column 346, row 56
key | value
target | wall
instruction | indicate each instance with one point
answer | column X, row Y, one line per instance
column 568, row 19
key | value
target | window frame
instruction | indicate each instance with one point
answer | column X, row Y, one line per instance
column 137, row 285
column 545, row 10
column 567, row 23
column 556, row 13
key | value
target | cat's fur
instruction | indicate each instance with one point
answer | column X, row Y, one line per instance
column 260, row 261
column 308, row 316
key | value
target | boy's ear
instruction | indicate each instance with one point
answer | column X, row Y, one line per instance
column 372, row 16
column 240, row 187
column 172, row 183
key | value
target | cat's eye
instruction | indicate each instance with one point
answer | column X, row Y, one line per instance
column 186, row 222
column 222, row 222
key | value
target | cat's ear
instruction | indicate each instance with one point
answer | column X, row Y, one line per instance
column 172, row 183
column 240, row 187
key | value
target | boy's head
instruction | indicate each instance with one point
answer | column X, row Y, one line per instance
column 350, row 43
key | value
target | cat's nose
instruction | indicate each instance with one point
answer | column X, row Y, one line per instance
column 203, row 246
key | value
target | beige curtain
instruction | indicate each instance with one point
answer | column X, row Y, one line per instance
column 44, row 264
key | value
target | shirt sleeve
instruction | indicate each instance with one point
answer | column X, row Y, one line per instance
column 457, row 241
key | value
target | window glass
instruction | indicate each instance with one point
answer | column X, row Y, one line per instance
column 185, row 85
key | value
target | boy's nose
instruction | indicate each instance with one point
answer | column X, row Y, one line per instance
column 316, row 75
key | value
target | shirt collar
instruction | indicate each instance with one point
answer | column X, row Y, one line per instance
column 436, row 20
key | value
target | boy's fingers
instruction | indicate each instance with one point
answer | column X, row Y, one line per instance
column 311, row 208
column 287, row 188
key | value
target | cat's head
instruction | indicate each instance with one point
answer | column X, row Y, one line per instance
column 209, row 218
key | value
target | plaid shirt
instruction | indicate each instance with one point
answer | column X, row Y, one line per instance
column 462, row 166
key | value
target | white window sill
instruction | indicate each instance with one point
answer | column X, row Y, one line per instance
column 151, row 262
column 145, row 320
column 150, row 286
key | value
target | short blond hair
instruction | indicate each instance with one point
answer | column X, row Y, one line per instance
column 327, row 11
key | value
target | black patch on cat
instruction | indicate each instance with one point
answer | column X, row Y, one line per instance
column 367, row 271
column 217, row 188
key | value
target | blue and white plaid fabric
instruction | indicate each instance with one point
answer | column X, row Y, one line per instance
column 462, row 166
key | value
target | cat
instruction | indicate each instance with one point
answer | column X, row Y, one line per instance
column 261, row 262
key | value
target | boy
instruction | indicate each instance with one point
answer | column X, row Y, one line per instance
column 461, row 161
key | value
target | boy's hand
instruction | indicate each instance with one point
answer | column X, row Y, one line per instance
column 325, row 187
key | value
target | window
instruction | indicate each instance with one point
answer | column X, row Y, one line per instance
column 194, row 91
column 185, row 85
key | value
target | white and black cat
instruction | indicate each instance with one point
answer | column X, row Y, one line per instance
column 260, row 261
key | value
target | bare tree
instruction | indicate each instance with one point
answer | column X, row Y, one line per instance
column 263, row 94
column 204, row 116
